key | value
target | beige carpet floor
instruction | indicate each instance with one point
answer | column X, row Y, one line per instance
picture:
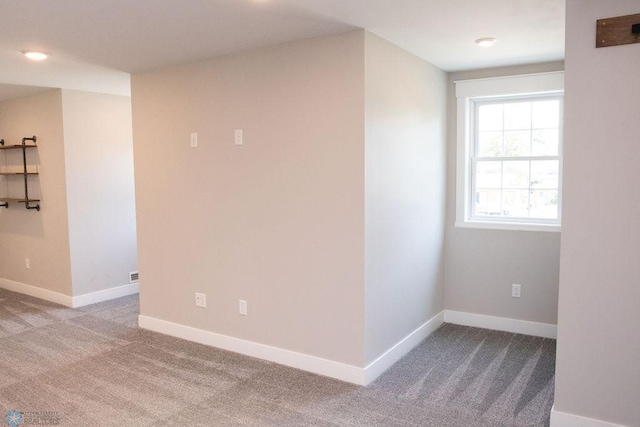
column 94, row 367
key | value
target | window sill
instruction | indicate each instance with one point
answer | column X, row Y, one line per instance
column 514, row 226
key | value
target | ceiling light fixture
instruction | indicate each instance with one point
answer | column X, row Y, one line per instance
column 36, row 56
column 486, row 41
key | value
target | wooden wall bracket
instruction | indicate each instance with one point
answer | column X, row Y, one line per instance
column 618, row 30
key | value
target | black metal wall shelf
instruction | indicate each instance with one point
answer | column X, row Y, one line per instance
column 25, row 173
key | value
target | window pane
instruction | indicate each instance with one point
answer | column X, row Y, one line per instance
column 545, row 142
column 546, row 114
column 544, row 204
column 515, row 159
column 517, row 143
column 517, row 115
column 488, row 175
column 516, row 203
column 490, row 117
column 516, row 174
column 487, row 202
column 490, row 144
column 544, row 174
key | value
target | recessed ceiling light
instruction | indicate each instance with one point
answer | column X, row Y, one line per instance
column 486, row 41
column 36, row 56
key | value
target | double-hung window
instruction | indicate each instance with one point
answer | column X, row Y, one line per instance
column 510, row 152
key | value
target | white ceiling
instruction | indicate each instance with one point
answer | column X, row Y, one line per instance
column 95, row 44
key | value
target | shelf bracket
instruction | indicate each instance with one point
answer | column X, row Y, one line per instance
column 5, row 204
column 26, row 181
column 36, row 207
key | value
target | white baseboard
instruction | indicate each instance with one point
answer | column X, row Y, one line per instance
column 66, row 300
column 395, row 353
column 317, row 365
column 338, row 370
column 34, row 291
column 563, row 419
column 105, row 295
column 544, row 330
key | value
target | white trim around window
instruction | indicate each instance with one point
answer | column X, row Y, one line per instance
column 470, row 92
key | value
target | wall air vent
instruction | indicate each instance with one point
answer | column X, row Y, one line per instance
column 133, row 277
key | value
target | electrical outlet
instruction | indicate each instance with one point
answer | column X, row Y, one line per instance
column 242, row 307
column 201, row 300
column 27, row 264
column 238, row 136
column 194, row 140
column 516, row 290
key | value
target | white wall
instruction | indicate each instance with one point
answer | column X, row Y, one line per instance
column 98, row 148
column 405, row 193
column 42, row 236
column 335, row 243
column 278, row 221
column 83, row 240
column 598, row 369
column 481, row 265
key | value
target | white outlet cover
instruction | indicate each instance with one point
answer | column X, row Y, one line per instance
column 238, row 137
column 194, row 140
column 242, row 307
column 516, row 290
column 201, row 300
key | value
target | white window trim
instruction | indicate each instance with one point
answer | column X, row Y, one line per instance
column 467, row 90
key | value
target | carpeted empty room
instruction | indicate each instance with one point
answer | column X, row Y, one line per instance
column 93, row 366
